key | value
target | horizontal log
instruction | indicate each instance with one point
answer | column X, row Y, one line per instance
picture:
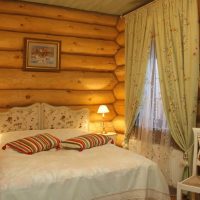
column 120, row 73
column 121, row 39
column 119, row 91
column 60, row 13
column 15, row 41
column 121, row 24
column 120, row 140
column 55, row 27
column 94, row 63
column 10, row 98
column 14, row 59
column 119, row 124
column 120, row 57
column 119, row 107
column 11, row 59
column 97, row 127
column 73, row 80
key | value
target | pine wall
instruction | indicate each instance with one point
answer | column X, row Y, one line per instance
column 92, row 60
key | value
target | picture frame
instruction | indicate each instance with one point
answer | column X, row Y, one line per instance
column 41, row 55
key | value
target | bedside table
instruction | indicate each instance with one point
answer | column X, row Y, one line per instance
column 112, row 135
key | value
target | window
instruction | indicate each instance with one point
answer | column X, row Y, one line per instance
column 151, row 117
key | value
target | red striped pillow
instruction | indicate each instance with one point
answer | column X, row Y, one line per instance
column 86, row 141
column 37, row 143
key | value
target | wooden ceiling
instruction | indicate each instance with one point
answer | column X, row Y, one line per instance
column 113, row 7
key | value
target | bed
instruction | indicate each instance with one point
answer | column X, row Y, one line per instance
column 105, row 172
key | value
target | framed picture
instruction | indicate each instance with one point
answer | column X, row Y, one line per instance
column 42, row 55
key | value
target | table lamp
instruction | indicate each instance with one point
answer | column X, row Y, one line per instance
column 102, row 110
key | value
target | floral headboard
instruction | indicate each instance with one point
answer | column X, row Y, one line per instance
column 43, row 116
column 21, row 118
column 63, row 117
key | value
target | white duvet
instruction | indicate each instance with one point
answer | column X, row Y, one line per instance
column 105, row 172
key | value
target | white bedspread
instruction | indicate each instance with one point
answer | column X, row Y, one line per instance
column 105, row 172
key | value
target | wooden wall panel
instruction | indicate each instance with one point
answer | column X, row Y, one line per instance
column 11, row 98
column 14, row 59
column 121, row 24
column 55, row 27
column 119, row 124
column 121, row 39
column 120, row 139
column 40, row 10
column 94, row 63
column 120, row 73
column 120, row 57
column 11, row 59
column 119, row 91
column 74, row 80
column 15, row 41
column 97, row 127
column 89, row 72
column 119, row 106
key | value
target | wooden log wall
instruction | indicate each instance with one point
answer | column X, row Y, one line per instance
column 89, row 75
column 119, row 91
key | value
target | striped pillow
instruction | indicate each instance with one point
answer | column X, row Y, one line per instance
column 37, row 143
column 86, row 141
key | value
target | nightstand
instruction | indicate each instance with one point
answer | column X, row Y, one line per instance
column 112, row 135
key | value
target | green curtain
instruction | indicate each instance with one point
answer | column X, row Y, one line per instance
column 177, row 48
column 139, row 26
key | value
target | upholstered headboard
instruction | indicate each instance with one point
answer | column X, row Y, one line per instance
column 43, row 116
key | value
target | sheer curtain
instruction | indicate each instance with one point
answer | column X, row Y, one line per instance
column 139, row 26
column 152, row 137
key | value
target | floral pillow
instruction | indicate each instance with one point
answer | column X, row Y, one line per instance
column 59, row 117
column 86, row 141
column 37, row 143
column 20, row 118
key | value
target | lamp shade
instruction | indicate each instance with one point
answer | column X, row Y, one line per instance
column 103, row 109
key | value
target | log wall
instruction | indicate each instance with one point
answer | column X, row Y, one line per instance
column 92, row 61
column 119, row 91
column 89, row 75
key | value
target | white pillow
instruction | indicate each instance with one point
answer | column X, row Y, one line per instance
column 59, row 117
column 20, row 118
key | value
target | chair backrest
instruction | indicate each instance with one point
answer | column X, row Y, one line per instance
column 196, row 153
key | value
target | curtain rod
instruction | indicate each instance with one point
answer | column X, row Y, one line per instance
column 140, row 7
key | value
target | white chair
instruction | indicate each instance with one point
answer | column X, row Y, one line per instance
column 192, row 184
